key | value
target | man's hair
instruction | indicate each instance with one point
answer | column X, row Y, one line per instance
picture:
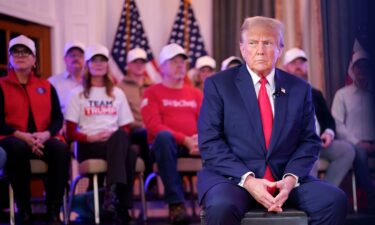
column 265, row 23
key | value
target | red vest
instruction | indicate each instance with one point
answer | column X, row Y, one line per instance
column 18, row 100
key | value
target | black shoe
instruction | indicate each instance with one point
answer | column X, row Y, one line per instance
column 178, row 214
column 123, row 218
column 53, row 214
column 110, row 203
column 23, row 217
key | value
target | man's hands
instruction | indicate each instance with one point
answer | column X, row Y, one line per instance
column 258, row 189
column 34, row 140
column 191, row 143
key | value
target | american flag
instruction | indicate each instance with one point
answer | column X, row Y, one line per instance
column 185, row 32
column 130, row 34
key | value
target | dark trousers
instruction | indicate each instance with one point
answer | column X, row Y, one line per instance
column 227, row 203
column 139, row 137
column 120, row 161
column 57, row 157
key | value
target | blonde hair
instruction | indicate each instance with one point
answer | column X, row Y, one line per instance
column 266, row 23
column 86, row 82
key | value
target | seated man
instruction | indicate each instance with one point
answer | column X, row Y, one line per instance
column 133, row 85
column 353, row 110
column 257, row 148
column 339, row 153
column 170, row 112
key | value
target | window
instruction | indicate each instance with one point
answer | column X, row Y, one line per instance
column 11, row 27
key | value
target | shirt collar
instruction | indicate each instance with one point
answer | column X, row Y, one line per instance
column 270, row 77
column 66, row 74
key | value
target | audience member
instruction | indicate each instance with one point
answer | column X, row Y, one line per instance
column 257, row 138
column 339, row 153
column 72, row 76
column 30, row 118
column 205, row 67
column 97, row 115
column 230, row 62
column 170, row 112
column 133, row 85
column 354, row 113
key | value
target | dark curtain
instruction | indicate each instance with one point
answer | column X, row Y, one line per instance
column 343, row 21
column 227, row 20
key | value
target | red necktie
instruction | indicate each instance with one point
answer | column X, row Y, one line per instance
column 267, row 122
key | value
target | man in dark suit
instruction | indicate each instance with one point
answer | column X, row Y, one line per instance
column 339, row 153
column 257, row 137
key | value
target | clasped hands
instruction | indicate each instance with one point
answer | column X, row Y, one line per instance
column 34, row 140
column 191, row 143
column 258, row 189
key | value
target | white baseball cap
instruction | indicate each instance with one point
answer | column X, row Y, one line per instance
column 136, row 53
column 23, row 40
column 73, row 44
column 229, row 60
column 94, row 50
column 359, row 55
column 292, row 54
column 170, row 51
column 205, row 61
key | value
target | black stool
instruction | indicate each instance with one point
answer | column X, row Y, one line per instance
column 256, row 217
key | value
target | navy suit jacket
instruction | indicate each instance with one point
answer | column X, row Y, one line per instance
column 230, row 132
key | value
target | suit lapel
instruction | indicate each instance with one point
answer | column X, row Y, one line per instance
column 245, row 86
column 281, row 107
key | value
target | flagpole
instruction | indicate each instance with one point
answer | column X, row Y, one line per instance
column 128, row 24
column 186, row 25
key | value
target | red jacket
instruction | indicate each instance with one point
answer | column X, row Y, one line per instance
column 18, row 100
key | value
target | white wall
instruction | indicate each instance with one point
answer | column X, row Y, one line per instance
column 93, row 21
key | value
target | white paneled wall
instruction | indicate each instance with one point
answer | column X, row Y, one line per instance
column 93, row 21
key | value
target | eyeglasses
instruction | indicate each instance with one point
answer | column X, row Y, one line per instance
column 20, row 53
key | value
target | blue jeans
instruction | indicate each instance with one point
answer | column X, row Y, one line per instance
column 166, row 152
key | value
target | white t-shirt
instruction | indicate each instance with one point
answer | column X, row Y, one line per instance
column 99, row 112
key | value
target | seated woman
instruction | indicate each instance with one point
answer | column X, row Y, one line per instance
column 30, row 118
column 97, row 115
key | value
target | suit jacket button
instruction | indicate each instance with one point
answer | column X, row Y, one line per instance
column 230, row 178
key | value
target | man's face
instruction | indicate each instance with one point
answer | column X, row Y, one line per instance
column 174, row 69
column 362, row 73
column 136, row 67
column 205, row 72
column 74, row 60
column 297, row 67
column 260, row 49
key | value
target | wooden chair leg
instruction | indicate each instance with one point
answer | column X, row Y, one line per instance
column 192, row 195
column 11, row 206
